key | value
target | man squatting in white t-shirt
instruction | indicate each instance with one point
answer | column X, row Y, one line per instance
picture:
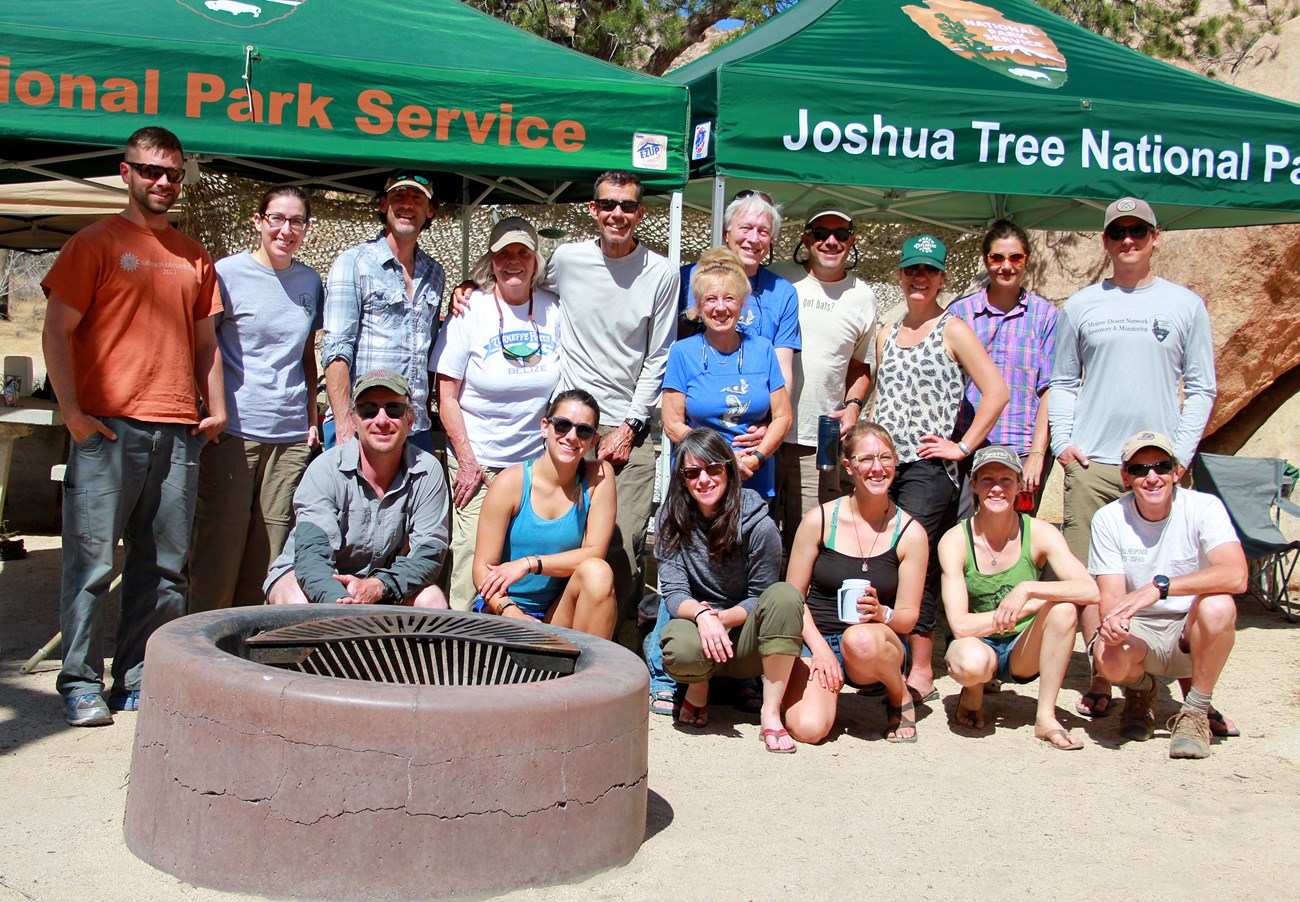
column 1167, row 563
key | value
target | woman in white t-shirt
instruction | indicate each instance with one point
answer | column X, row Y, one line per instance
column 497, row 365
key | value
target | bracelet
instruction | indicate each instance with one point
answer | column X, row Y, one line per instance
column 700, row 613
column 965, row 449
column 538, row 558
column 762, row 458
column 889, row 614
column 848, row 401
column 1027, row 453
column 505, row 607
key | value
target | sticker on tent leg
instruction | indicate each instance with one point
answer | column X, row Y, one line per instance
column 650, row 151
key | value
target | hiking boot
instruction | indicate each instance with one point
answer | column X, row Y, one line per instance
column 87, row 710
column 124, row 701
column 1138, row 722
column 1189, row 734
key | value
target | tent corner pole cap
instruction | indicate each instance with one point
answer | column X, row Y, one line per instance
column 1085, row 103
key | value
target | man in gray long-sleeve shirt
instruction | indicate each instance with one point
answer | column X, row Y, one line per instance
column 1128, row 349
column 371, row 514
column 618, row 300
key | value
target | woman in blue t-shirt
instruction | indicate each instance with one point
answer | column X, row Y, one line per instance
column 545, row 528
column 726, row 379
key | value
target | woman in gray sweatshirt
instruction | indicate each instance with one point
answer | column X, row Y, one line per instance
column 719, row 560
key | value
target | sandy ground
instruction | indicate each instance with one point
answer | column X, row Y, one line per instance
column 959, row 815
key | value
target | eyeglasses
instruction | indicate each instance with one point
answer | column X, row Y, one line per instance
column 1016, row 260
column 279, row 221
column 715, row 469
column 609, row 205
column 1137, row 231
column 585, row 431
column 922, row 269
column 368, row 410
column 819, row 235
column 870, row 460
column 154, row 173
column 1137, row 471
column 749, row 192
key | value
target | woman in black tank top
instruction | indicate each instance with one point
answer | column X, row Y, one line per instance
column 860, row 536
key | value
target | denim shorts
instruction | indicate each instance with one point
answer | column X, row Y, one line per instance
column 834, row 639
column 480, row 607
column 1002, row 646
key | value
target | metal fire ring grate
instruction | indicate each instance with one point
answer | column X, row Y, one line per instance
column 443, row 648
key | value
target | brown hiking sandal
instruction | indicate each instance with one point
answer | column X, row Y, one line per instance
column 1189, row 734
column 1138, row 720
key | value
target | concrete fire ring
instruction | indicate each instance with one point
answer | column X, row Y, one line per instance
column 257, row 779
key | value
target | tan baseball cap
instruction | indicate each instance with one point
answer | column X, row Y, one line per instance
column 829, row 208
column 1131, row 206
column 996, row 454
column 1146, row 439
column 513, row 230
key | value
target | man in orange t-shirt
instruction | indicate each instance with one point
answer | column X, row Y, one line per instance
column 129, row 335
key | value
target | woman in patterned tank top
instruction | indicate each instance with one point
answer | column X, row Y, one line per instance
column 924, row 361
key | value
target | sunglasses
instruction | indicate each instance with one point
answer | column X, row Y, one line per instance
column 715, row 469
column 1016, row 260
column 368, row 410
column 279, row 221
column 521, row 352
column 562, row 425
column 750, row 192
column 412, row 177
column 922, row 269
column 1137, row 471
column 1137, row 231
column 841, row 235
column 609, row 205
column 154, row 173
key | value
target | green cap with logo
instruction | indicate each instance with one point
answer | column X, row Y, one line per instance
column 924, row 249
column 381, row 379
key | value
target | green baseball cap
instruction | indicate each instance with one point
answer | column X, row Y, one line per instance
column 381, row 379
column 924, row 249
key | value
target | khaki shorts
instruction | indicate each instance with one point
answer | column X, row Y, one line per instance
column 1163, row 637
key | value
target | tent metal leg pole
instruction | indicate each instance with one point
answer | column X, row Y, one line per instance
column 465, row 214
column 675, row 207
column 719, row 207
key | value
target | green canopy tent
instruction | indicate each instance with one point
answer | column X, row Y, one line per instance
column 330, row 93
column 956, row 113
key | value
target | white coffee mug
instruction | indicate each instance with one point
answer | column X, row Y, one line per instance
column 850, row 591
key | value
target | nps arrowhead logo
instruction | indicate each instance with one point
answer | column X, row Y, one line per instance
column 984, row 36
column 243, row 13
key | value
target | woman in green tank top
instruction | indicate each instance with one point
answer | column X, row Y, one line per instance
column 1008, row 623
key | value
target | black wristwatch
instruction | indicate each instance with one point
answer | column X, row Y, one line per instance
column 847, row 401
column 639, row 427
column 1161, row 582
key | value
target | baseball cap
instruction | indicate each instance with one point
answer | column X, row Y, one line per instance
column 513, row 230
column 1147, row 439
column 416, row 180
column 924, row 249
column 828, row 208
column 381, row 379
column 1131, row 206
column 996, row 454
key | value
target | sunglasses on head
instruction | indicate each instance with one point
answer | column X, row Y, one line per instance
column 1013, row 259
column 562, row 425
column 715, row 469
column 750, row 192
column 922, row 269
column 368, row 410
column 841, row 234
column 154, row 173
column 1137, row 471
column 609, row 205
column 1137, row 231
column 412, row 177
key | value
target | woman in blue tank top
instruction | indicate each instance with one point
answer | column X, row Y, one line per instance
column 545, row 528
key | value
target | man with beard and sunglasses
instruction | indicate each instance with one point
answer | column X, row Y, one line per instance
column 129, row 335
column 1167, row 563
column 371, row 515
column 1132, row 352
column 837, row 319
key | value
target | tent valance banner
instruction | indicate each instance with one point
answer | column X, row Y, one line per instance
column 327, row 86
column 957, row 112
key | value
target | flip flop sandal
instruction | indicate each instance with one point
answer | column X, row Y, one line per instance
column 749, row 699
column 1219, row 725
column 1096, row 698
column 1052, row 737
column 767, row 733
column 692, row 715
column 919, row 699
column 970, row 718
column 896, row 722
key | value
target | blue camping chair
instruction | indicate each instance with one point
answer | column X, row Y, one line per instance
column 1251, row 488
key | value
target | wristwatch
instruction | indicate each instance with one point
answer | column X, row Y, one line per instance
column 638, row 426
column 762, row 458
column 1161, row 582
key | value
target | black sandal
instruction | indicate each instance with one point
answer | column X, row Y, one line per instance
column 896, row 722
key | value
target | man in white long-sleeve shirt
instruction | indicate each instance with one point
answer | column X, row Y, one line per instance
column 1133, row 352
column 618, row 300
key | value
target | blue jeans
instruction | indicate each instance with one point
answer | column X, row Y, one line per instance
column 141, row 489
column 660, row 681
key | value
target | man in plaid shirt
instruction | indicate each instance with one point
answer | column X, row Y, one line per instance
column 382, row 302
